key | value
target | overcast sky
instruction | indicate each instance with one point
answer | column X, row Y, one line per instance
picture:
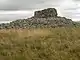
column 16, row 9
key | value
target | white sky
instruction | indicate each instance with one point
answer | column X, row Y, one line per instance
column 9, row 10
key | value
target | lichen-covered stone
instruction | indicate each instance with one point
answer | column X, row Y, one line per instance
column 50, row 12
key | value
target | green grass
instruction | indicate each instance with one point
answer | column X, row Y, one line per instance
column 40, row 44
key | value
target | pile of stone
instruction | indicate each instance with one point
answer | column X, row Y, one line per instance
column 44, row 18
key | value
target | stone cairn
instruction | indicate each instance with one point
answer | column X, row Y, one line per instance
column 44, row 18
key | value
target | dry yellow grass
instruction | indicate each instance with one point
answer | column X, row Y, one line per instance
column 40, row 44
column 21, row 33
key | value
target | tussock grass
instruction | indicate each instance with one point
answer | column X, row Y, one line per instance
column 40, row 44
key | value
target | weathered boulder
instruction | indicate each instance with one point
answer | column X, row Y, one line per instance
column 50, row 12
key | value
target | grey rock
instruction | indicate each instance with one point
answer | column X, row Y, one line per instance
column 50, row 12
